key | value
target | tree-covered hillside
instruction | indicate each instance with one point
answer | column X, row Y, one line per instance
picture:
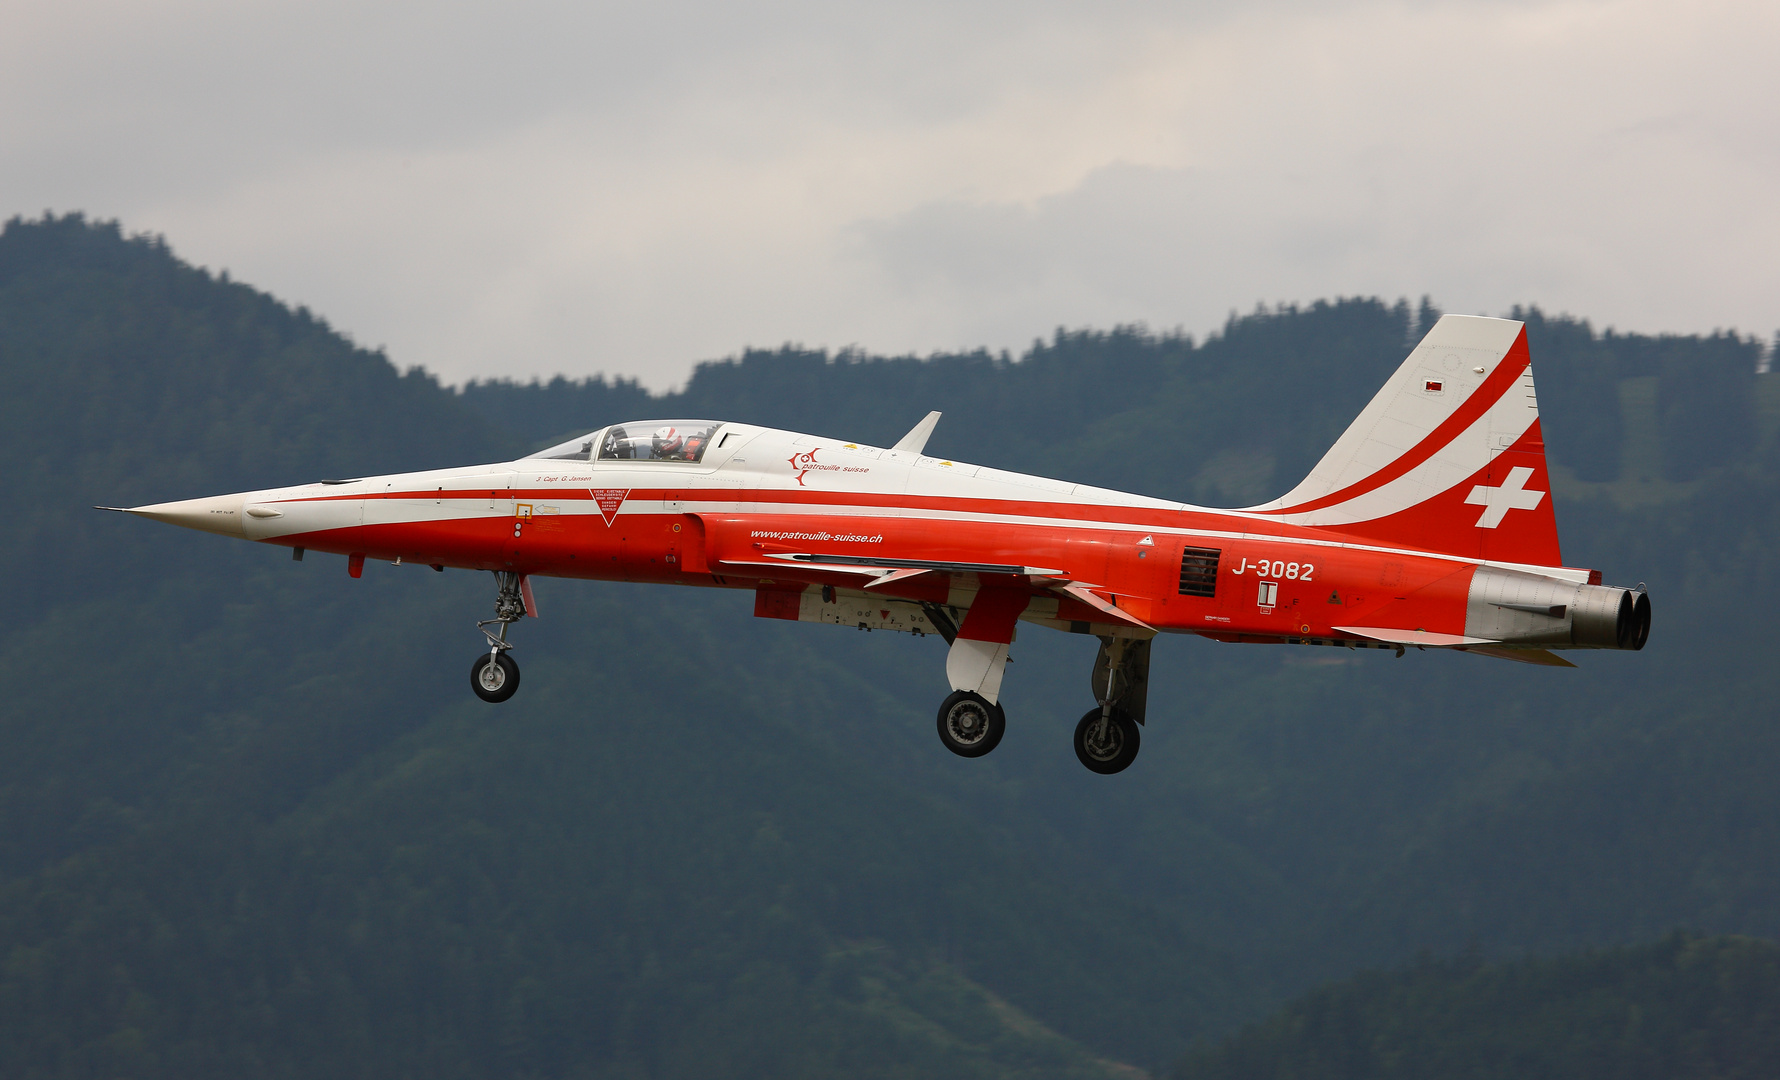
column 252, row 823
column 1683, row 1008
column 1240, row 416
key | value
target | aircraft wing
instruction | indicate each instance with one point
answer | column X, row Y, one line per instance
column 876, row 565
column 1424, row 638
column 882, row 571
column 1085, row 594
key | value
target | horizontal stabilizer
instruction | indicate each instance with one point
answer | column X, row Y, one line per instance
column 1542, row 657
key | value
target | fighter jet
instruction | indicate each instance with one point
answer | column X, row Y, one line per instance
column 1428, row 525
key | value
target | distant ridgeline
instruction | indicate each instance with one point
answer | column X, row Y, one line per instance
column 1239, row 417
column 252, row 824
column 1684, row 1008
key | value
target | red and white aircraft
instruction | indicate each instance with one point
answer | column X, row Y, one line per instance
column 1429, row 524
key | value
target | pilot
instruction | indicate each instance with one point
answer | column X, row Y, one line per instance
column 669, row 445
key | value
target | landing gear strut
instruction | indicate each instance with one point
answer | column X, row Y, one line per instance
column 1107, row 738
column 971, row 721
column 494, row 676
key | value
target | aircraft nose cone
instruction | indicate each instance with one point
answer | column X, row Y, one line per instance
column 218, row 514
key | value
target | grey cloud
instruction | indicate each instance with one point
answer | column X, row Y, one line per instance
column 543, row 186
column 1130, row 243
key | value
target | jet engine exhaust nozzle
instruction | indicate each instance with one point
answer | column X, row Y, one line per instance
column 1611, row 618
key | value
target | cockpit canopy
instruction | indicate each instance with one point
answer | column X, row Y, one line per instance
column 642, row 440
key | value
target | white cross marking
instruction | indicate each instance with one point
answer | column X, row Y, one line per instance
column 1512, row 495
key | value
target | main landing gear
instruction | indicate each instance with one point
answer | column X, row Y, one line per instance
column 1107, row 738
column 494, row 676
column 972, row 722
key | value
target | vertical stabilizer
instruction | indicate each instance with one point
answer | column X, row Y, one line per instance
column 1447, row 457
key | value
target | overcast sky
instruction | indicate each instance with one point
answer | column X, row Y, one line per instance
column 533, row 188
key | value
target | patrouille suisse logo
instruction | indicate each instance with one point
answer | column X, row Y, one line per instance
column 803, row 463
column 609, row 500
column 806, row 463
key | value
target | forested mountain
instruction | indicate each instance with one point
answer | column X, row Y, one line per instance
column 1680, row 1009
column 253, row 824
column 1241, row 416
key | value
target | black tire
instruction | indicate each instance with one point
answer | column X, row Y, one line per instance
column 969, row 725
column 1112, row 753
column 501, row 681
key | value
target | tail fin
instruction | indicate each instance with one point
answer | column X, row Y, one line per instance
column 1448, row 457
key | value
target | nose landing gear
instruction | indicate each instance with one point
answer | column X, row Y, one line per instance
column 495, row 676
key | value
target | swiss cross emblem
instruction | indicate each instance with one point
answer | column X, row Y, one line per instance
column 609, row 500
column 1512, row 495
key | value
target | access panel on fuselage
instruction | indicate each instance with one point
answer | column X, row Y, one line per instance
column 1279, row 589
column 547, row 534
column 655, row 546
column 1276, row 588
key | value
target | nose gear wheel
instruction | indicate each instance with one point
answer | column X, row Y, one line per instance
column 495, row 675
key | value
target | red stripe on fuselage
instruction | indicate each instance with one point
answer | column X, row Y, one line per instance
column 800, row 508
column 1318, row 586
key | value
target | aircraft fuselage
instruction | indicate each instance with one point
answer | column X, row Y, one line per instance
column 1429, row 523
